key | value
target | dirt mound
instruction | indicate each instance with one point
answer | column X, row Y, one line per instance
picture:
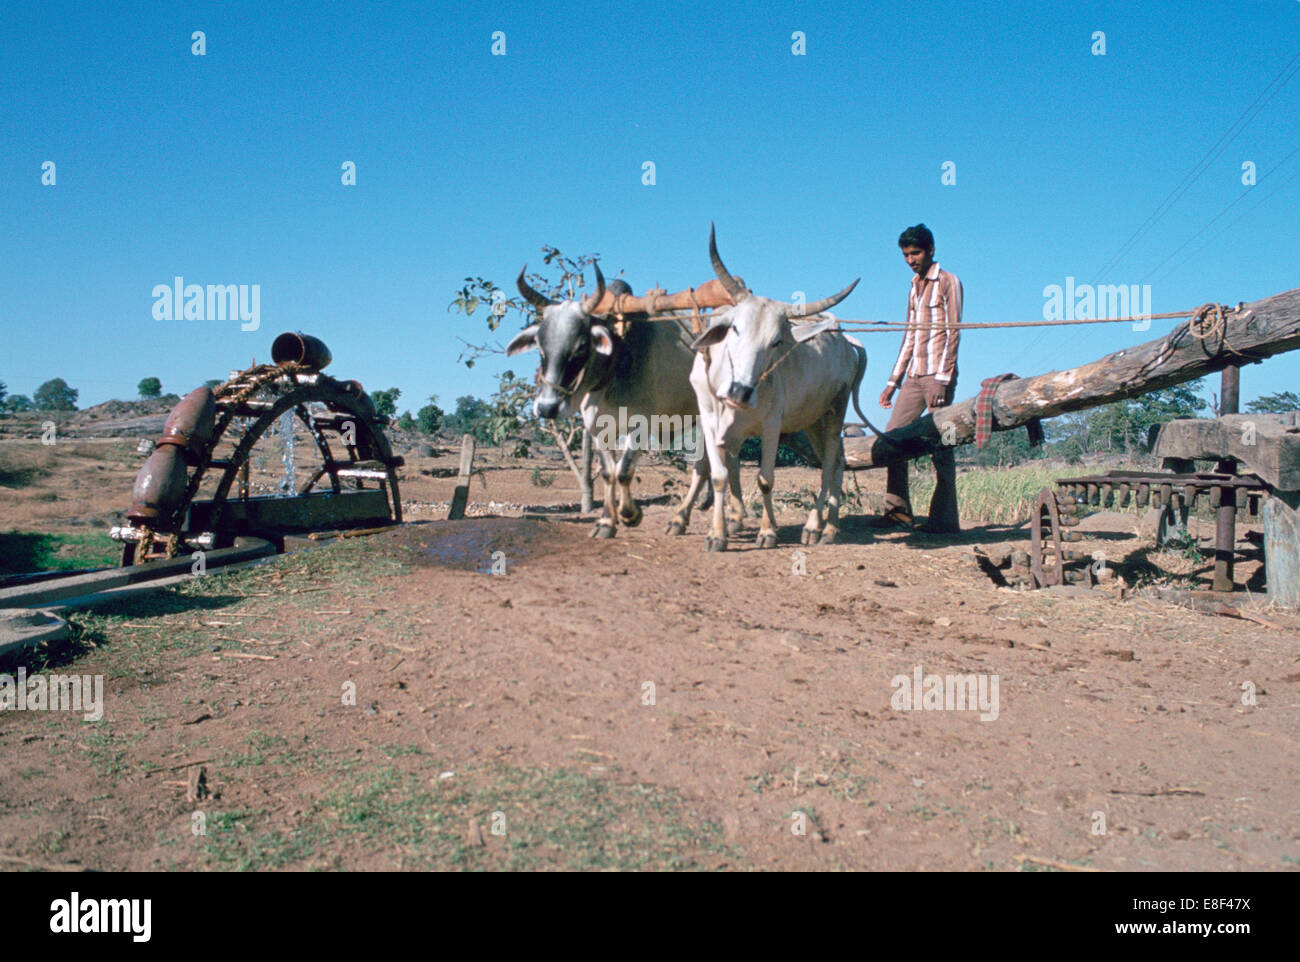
column 119, row 410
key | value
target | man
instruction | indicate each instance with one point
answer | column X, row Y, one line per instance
column 927, row 370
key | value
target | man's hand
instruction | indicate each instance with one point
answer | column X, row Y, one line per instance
column 887, row 398
column 935, row 394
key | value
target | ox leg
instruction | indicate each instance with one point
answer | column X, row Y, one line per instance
column 629, row 512
column 607, row 523
column 682, row 519
column 766, row 478
column 831, row 532
column 736, row 508
column 717, row 540
column 825, row 438
column 812, row 528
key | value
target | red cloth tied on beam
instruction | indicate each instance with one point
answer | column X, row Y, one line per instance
column 984, row 413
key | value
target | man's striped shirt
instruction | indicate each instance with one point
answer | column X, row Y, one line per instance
column 933, row 304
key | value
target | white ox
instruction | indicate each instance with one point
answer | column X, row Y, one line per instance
column 755, row 373
column 610, row 378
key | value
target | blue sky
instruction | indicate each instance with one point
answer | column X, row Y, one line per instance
column 225, row 169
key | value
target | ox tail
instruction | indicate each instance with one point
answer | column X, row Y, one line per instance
column 857, row 382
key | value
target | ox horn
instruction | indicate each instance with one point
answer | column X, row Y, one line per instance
column 530, row 295
column 733, row 286
column 825, row 304
column 589, row 304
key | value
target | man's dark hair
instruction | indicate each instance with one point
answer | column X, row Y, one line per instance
column 918, row 236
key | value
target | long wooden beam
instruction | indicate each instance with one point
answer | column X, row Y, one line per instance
column 1251, row 333
column 711, row 294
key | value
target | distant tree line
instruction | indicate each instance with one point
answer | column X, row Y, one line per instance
column 491, row 421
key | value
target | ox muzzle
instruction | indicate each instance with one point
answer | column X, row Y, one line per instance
column 740, row 395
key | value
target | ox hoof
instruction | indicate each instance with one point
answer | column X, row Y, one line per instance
column 810, row 536
column 767, row 539
column 829, row 535
column 717, row 544
column 603, row 531
column 675, row 527
column 631, row 522
column 735, row 527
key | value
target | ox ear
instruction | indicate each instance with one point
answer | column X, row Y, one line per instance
column 804, row 332
column 602, row 339
column 525, row 340
column 714, row 335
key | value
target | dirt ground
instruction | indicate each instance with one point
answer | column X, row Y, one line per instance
column 391, row 702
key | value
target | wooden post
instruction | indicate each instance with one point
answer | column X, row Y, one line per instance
column 1230, row 390
column 460, row 497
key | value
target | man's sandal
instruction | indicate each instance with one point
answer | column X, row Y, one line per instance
column 897, row 518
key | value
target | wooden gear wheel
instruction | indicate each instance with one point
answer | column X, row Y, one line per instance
column 1055, row 515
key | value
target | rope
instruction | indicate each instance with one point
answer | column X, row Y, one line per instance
column 697, row 321
column 1209, row 321
column 869, row 327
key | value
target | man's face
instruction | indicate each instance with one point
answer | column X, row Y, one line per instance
column 917, row 259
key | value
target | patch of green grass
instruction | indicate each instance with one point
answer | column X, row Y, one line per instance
column 22, row 552
column 105, row 754
column 51, row 843
column 397, row 750
column 551, row 819
column 991, row 495
column 348, row 571
column 263, row 748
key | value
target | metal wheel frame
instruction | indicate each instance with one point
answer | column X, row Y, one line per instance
column 369, row 444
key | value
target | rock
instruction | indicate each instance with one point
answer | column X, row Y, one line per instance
column 24, row 627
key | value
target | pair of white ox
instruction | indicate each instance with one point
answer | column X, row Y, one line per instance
column 753, row 372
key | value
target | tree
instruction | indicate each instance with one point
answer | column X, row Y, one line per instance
column 213, row 383
column 510, row 405
column 4, row 390
column 429, row 418
column 386, row 401
column 149, row 387
column 55, row 395
column 1004, row 449
column 1123, row 425
column 406, row 422
column 1274, row 403
column 470, row 411
column 18, row 403
column 477, row 291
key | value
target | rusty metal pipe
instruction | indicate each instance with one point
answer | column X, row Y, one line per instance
column 190, row 424
column 299, row 348
column 355, row 389
column 159, row 487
